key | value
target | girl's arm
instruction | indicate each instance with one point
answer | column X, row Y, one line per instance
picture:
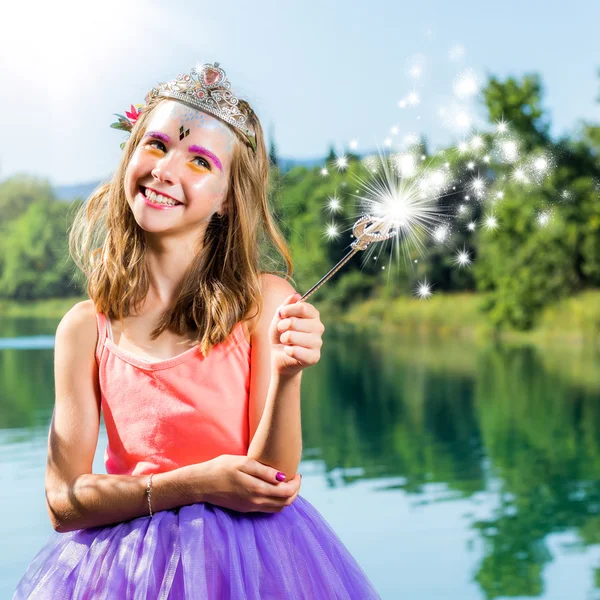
column 274, row 404
column 75, row 497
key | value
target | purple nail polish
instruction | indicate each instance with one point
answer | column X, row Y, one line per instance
column 280, row 476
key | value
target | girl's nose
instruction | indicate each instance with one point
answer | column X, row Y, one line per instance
column 166, row 170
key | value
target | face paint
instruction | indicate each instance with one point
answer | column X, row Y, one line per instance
column 168, row 164
column 183, row 133
column 202, row 120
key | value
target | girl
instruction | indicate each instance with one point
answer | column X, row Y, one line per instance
column 194, row 353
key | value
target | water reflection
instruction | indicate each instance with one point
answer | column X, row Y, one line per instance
column 436, row 421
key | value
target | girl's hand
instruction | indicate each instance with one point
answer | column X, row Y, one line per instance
column 295, row 335
column 243, row 484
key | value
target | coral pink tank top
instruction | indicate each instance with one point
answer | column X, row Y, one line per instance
column 165, row 414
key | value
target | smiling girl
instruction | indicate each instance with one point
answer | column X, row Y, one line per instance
column 192, row 348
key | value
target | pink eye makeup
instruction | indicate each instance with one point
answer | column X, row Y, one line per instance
column 158, row 135
column 205, row 152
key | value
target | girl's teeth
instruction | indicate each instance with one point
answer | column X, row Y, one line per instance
column 158, row 199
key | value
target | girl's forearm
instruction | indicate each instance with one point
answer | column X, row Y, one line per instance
column 278, row 438
column 94, row 499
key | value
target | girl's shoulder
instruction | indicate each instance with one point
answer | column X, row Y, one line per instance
column 274, row 290
column 78, row 329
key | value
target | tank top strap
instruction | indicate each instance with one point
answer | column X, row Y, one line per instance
column 102, row 335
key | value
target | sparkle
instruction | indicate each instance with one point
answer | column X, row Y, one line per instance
column 463, row 147
column 402, row 103
column 471, row 226
column 462, row 258
column 477, row 142
column 499, row 195
column 331, row 231
column 341, row 162
column 462, row 208
column 466, row 84
column 333, row 204
column 413, row 98
column 544, row 218
column 486, row 159
column 501, row 126
column 423, row 290
column 470, row 165
column 404, row 202
column 478, row 186
column 387, row 143
column 324, row 171
column 490, row 222
column 441, row 233
column 353, row 144
column 509, row 150
column 394, row 130
column 519, row 175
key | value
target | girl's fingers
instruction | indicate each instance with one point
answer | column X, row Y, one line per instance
column 299, row 338
column 305, row 356
column 297, row 324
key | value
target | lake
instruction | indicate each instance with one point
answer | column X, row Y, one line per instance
column 449, row 470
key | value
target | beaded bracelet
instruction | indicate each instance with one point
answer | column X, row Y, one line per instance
column 149, row 493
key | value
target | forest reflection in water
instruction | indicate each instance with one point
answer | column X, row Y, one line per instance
column 404, row 414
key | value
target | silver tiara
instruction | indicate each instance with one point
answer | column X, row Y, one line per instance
column 207, row 88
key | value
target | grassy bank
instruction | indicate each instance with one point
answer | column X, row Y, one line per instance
column 47, row 309
column 574, row 320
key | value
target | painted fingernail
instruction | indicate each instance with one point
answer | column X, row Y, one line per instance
column 280, row 315
column 280, row 476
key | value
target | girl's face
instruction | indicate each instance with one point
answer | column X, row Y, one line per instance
column 185, row 155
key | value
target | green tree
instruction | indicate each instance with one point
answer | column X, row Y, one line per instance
column 34, row 260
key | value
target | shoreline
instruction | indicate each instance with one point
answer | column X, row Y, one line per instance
column 574, row 321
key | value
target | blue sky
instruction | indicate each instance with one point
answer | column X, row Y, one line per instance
column 319, row 73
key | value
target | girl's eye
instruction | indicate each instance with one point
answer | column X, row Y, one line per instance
column 204, row 163
column 160, row 147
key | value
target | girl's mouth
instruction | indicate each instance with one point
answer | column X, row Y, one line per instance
column 158, row 201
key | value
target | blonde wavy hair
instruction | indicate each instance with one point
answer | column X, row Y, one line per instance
column 222, row 285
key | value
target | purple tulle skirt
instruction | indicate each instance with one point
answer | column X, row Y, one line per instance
column 201, row 552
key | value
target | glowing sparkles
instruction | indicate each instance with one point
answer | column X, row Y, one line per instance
column 324, row 172
column 334, row 204
column 403, row 202
column 477, row 142
column 413, row 98
column 499, row 195
column 520, row 176
column 466, row 85
column 463, row 147
column 462, row 258
column 353, row 144
column 540, row 164
column 544, row 218
column 341, row 162
column 462, row 209
column 486, row 159
column 331, row 231
column 423, row 290
column 490, row 222
column 441, row 233
column 406, row 164
column 509, row 150
column 471, row 226
column 478, row 186
column 387, row 143
column 402, row 103
column 501, row 126
column 470, row 165
column 394, row 130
